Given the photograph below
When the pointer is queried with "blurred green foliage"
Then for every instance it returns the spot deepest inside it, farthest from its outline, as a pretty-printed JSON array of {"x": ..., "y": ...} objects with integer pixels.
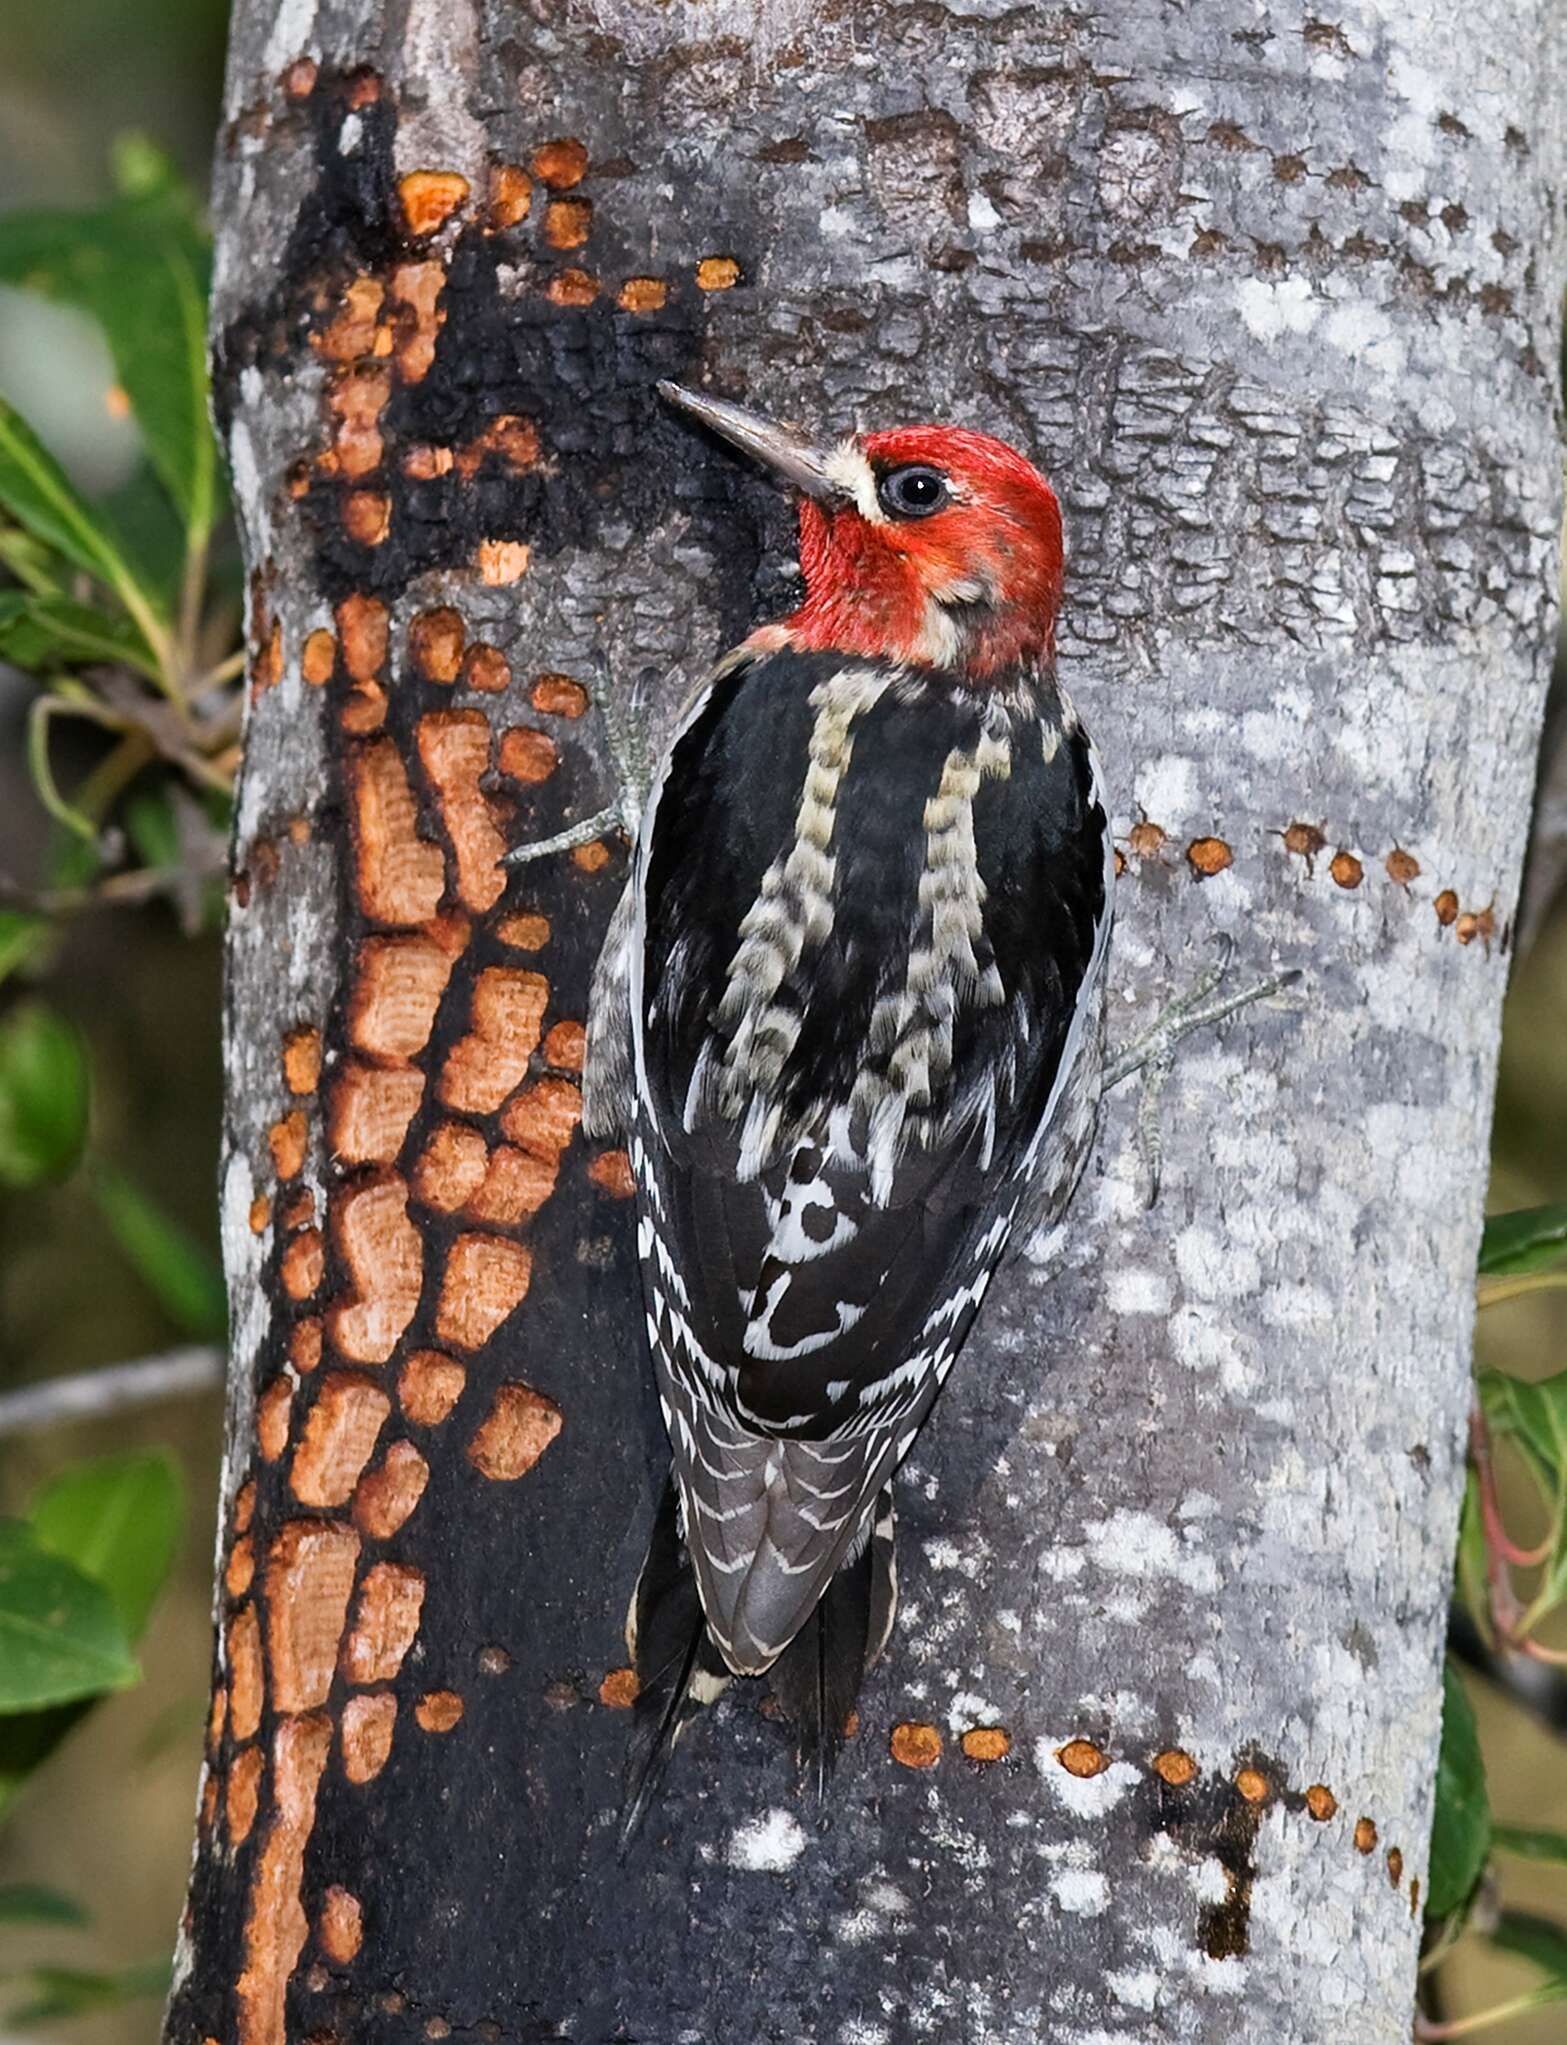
[
  {"x": 1522, "y": 1251},
  {"x": 132, "y": 649}
]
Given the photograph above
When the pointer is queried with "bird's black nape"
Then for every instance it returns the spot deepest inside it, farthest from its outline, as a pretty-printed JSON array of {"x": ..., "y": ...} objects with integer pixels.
[
  {"x": 817, "y": 1678},
  {"x": 679, "y": 1670}
]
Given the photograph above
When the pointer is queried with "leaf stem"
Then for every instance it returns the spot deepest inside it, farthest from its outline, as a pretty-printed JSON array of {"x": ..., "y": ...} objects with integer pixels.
[
  {"x": 44, "y": 709},
  {"x": 1492, "y": 1292},
  {"x": 1506, "y": 1610},
  {"x": 1466, "y": 2027},
  {"x": 1452, "y": 1931},
  {"x": 225, "y": 671},
  {"x": 113, "y": 773},
  {"x": 190, "y": 610}
]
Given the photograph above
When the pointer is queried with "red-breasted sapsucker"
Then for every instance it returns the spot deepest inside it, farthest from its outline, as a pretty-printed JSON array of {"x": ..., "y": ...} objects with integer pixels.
[{"x": 849, "y": 1021}]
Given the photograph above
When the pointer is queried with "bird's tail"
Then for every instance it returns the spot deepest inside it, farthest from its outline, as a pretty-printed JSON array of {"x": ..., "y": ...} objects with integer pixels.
[
  {"x": 679, "y": 1669},
  {"x": 817, "y": 1678}
]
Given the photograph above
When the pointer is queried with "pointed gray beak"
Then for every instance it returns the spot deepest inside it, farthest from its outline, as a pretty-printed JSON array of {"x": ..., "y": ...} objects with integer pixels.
[{"x": 779, "y": 448}]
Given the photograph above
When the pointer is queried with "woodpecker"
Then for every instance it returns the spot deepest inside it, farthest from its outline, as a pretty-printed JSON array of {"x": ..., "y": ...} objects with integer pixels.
[{"x": 849, "y": 1022}]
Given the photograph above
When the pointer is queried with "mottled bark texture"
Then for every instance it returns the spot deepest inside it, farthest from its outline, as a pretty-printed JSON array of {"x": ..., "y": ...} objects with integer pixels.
[{"x": 1151, "y": 1754}]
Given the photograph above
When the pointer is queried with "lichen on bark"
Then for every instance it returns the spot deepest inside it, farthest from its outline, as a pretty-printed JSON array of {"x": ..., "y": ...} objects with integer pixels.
[{"x": 1272, "y": 299}]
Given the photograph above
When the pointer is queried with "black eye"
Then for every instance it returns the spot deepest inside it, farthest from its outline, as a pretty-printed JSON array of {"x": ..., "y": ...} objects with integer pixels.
[{"x": 913, "y": 492}]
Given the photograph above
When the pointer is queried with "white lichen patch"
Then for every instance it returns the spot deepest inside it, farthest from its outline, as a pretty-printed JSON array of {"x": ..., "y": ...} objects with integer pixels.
[
  {"x": 964, "y": 1845},
  {"x": 1133, "y": 1291},
  {"x": 1204, "y": 1343},
  {"x": 1270, "y": 309},
  {"x": 1365, "y": 334},
  {"x": 1210, "y": 1881},
  {"x": 293, "y": 25},
  {"x": 882, "y": 1904},
  {"x": 1137, "y": 1989},
  {"x": 1126, "y": 1607},
  {"x": 1212, "y": 1267},
  {"x": 1085, "y": 1796},
  {"x": 968, "y": 1709},
  {"x": 1062, "y": 1564},
  {"x": 760, "y": 26},
  {"x": 768, "y": 1845},
  {"x": 862, "y": 2031},
  {"x": 244, "y": 1260},
  {"x": 1138, "y": 1545},
  {"x": 1166, "y": 790},
  {"x": 1081, "y": 1892},
  {"x": 246, "y": 473},
  {"x": 944, "y": 1554},
  {"x": 1198, "y": 1505}
]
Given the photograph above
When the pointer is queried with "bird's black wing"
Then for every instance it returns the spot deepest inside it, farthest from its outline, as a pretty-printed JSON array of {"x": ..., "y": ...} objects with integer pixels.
[{"x": 870, "y": 914}]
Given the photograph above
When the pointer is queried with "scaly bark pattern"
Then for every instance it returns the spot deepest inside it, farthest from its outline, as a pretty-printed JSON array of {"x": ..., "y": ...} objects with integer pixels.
[{"x": 1271, "y": 297}]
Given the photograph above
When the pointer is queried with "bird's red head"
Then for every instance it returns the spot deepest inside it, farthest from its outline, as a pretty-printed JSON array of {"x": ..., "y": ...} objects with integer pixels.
[{"x": 927, "y": 544}]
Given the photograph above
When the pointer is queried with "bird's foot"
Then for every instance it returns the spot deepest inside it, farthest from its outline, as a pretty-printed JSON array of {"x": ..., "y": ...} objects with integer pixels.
[
  {"x": 582, "y": 833},
  {"x": 1153, "y": 1053},
  {"x": 631, "y": 759}
]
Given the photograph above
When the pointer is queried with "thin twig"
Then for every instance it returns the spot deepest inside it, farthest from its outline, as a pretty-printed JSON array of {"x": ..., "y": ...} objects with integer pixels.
[
  {"x": 1427, "y": 2033},
  {"x": 141, "y": 884},
  {"x": 1490, "y": 1292},
  {"x": 95, "y": 1394}
]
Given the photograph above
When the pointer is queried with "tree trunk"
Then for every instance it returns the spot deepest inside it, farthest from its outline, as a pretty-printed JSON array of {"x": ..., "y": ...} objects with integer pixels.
[{"x": 1274, "y": 306}]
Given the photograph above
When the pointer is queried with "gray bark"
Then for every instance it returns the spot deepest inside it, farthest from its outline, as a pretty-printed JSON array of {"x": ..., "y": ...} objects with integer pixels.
[{"x": 1273, "y": 300}]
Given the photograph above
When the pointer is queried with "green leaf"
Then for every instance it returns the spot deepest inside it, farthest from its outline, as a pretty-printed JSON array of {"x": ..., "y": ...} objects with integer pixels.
[
  {"x": 1474, "y": 1581},
  {"x": 149, "y": 819},
  {"x": 152, "y": 304},
  {"x": 73, "y": 1992},
  {"x": 1534, "y": 1418},
  {"x": 1531, "y": 1843},
  {"x": 1538, "y": 1940},
  {"x": 32, "y": 1903},
  {"x": 71, "y": 863},
  {"x": 142, "y": 168},
  {"x": 118, "y": 1519},
  {"x": 183, "y": 1276},
  {"x": 1531, "y": 1415},
  {"x": 22, "y": 937},
  {"x": 140, "y": 268},
  {"x": 39, "y": 495},
  {"x": 35, "y": 566},
  {"x": 1461, "y": 1831},
  {"x": 148, "y": 530},
  {"x": 41, "y": 633},
  {"x": 1528, "y": 1239},
  {"x": 60, "y": 1637},
  {"x": 44, "y": 1093}
]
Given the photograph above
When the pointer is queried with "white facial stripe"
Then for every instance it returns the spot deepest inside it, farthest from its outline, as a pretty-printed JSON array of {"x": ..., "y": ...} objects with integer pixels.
[{"x": 852, "y": 473}]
